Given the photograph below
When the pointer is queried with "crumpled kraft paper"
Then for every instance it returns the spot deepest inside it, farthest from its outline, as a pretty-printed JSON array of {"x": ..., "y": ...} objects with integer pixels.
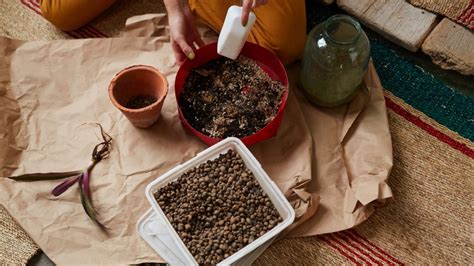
[{"x": 332, "y": 164}]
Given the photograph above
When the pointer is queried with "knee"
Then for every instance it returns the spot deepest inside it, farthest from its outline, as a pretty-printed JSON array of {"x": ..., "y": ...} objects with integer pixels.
[
  {"x": 287, "y": 42},
  {"x": 281, "y": 27},
  {"x": 72, "y": 14},
  {"x": 59, "y": 14}
]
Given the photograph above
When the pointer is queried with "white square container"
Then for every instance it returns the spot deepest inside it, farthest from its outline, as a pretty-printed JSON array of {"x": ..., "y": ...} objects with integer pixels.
[
  {"x": 160, "y": 234},
  {"x": 152, "y": 228}
]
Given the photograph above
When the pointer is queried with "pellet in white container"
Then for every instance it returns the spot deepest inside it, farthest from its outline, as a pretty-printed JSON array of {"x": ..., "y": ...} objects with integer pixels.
[{"x": 162, "y": 237}]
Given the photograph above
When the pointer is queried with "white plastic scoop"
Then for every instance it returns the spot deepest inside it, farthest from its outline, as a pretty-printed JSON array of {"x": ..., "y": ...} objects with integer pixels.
[{"x": 233, "y": 35}]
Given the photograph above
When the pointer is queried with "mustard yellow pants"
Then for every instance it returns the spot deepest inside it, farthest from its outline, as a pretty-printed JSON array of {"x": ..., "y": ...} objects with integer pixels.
[{"x": 280, "y": 25}]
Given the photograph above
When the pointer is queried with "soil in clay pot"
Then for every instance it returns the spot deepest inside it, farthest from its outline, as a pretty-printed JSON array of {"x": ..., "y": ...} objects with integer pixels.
[
  {"x": 225, "y": 98},
  {"x": 140, "y": 101}
]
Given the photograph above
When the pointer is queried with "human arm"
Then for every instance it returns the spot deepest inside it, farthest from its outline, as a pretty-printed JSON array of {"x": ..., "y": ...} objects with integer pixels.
[{"x": 183, "y": 30}]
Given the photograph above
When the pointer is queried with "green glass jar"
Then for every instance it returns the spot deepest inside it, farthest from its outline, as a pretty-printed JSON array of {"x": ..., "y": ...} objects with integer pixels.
[{"x": 335, "y": 61}]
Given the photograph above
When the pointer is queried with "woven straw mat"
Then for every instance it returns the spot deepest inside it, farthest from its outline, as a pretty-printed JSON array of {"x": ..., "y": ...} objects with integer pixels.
[
  {"x": 428, "y": 222},
  {"x": 461, "y": 11}
]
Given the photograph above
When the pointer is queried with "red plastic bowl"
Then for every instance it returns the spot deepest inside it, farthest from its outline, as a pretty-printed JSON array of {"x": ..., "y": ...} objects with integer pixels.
[{"x": 264, "y": 58}]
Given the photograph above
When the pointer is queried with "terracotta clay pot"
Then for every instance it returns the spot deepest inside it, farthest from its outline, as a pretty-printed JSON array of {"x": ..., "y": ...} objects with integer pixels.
[{"x": 139, "y": 80}]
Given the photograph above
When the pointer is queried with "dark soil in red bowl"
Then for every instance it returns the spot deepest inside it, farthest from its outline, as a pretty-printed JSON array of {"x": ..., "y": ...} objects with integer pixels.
[{"x": 225, "y": 98}]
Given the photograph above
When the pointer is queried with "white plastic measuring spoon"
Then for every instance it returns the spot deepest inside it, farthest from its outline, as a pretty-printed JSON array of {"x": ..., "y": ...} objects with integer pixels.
[{"x": 233, "y": 35}]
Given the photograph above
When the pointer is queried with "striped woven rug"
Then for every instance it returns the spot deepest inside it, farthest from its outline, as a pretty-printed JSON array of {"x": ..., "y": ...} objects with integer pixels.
[
  {"x": 432, "y": 128},
  {"x": 461, "y": 11}
]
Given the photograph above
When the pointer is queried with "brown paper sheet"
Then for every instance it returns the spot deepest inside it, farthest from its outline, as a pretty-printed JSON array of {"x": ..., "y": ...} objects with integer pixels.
[{"x": 332, "y": 164}]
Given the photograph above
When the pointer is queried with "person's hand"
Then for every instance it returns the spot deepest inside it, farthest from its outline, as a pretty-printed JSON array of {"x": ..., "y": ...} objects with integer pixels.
[
  {"x": 247, "y": 6},
  {"x": 184, "y": 34}
]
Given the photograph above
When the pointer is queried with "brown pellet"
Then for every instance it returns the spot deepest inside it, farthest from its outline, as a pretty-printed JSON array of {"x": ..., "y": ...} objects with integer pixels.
[{"x": 217, "y": 208}]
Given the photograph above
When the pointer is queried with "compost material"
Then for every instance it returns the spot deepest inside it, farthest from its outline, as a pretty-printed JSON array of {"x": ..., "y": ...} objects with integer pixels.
[{"x": 230, "y": 98}]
